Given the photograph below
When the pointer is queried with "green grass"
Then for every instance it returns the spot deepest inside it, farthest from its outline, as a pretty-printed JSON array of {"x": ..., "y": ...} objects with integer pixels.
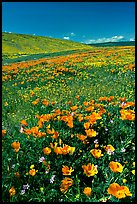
[{"x": 68, "y": 81}]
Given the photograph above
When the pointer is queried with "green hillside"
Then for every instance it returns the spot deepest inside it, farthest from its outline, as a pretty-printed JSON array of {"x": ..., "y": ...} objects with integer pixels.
[{"x": 16, "y": 45}]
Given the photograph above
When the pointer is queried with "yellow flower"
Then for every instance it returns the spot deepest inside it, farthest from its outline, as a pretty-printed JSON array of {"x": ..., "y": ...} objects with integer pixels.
[
  {"x": 116, "y": 167},
  {"x": 48, "y": 126},
  {"x": 41, "y": 189},
  {"x": 96, "y": 153},
  {"x": 91, "y": 133},
  {"x": 46, "y": 150},
  {"x": 71, "y": 150},
  {"x": 86, "y": 125},
  {"x": 66, "y": 170},
  {"x": 133, "y": 172},
  {"x": 12, "y": 191},
  {"x": 96, "y": 145},
  {"x": 32, "y": 166},
  {"x": 90, "y": 169},
  {"x": 133, "y": 164},
  {"x": 124, "y": 180},
  {"x": 87, "y": 191},
  {"x": 6, "y": 104}
]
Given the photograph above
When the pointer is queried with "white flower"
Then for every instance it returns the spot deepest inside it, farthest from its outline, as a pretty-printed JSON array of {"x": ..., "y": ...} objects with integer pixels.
[
  {"x": 123, "y": 149},
  {"x": 46, "y": 172},
  {"x": 96, "y": 166},
  {"x": 96, "y": 141},
  {"x": 123, "y": 103},
  {"x": 133, "y": 148},
  {"x": 41, "y": 159},
  {"x": 21, "y": 129},
  {"x": 72, "y": 113},
  {"x": 52, "y": 179},
  {"x": 22, "y": 192},
  {"x": 26, "y": 186},
  {"x": 110, "y": 152},
  {"x": 13, "y": 166}
]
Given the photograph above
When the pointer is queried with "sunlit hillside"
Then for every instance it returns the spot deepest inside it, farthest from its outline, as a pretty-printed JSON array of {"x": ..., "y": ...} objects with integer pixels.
[{"x": 15, "y": 45}]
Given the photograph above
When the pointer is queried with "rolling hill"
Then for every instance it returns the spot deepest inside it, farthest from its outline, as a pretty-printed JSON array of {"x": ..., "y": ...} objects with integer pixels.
[
  {"x": 109, "y": 44},
  {"x": 18, "y": 45}
]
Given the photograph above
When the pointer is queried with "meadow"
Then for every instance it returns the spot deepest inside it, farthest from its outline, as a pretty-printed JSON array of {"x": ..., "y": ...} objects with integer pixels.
[{"x": 68, "y": 131}]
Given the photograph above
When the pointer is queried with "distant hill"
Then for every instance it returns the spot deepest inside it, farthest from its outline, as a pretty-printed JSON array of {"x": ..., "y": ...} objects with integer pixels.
[
  {"x": 109, "y": 44},
  {"x": 22, "y": 44}
]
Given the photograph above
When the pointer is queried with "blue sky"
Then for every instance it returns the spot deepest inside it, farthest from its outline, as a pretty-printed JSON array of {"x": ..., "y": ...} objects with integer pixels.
[{"x": 87, "y": 22}]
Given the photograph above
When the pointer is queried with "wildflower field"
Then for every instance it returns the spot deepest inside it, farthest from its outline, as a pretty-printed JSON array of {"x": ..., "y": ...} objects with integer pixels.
[{"x": 68, "y": 131}]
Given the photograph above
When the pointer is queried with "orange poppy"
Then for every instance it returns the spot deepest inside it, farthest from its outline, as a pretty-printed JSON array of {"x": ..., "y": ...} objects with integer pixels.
[
  {"x": 90, "y": 169},
  {"x": 116, "y": 167},
  {"x": 12, "y": 191},
  {"x": 96, "y": 153},
  {"x": 87, "y": 191},
  {"x": 46, "y": 150},
  {"x": 119, "y": 191},
  {"x": 66, "y": 170},
  {"x": 16, "y": 146}
]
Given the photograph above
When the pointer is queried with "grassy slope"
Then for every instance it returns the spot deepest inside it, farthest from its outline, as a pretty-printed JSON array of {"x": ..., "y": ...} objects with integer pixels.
[{"x": 29, "y": 44}]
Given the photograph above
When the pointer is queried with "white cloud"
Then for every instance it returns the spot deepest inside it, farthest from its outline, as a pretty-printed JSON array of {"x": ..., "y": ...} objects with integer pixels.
[
  {"x": 132, "y": 39},
  {"x": 66, "y": 38},
  {"x": 103, "y": 40},
  {"x": 72, "y": 34}
]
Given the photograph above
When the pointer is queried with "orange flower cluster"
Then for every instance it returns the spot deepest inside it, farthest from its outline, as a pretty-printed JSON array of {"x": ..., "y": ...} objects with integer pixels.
[
  {"x": 73, "y": 108},
  {"x": 16, "y": 146},
  {"x": 45, "y": 102},
  {"x": 66, "y": 149},
  {"x": 43, "y": 118},
  {"x": 90, "y": 169},
  {"x": 66, "y": 183},
  {"x": 68, "y": 119},
  {"x": 119, "y": 191},
  {"x": 91, "y": 133},
  {"x": 127, "y": 104},
  {"x": 108, "y": 99},
  {"x": 93, "y": 117},
  {"x": 35, "y": 132},
  {"x": 127, "y": 114}
]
